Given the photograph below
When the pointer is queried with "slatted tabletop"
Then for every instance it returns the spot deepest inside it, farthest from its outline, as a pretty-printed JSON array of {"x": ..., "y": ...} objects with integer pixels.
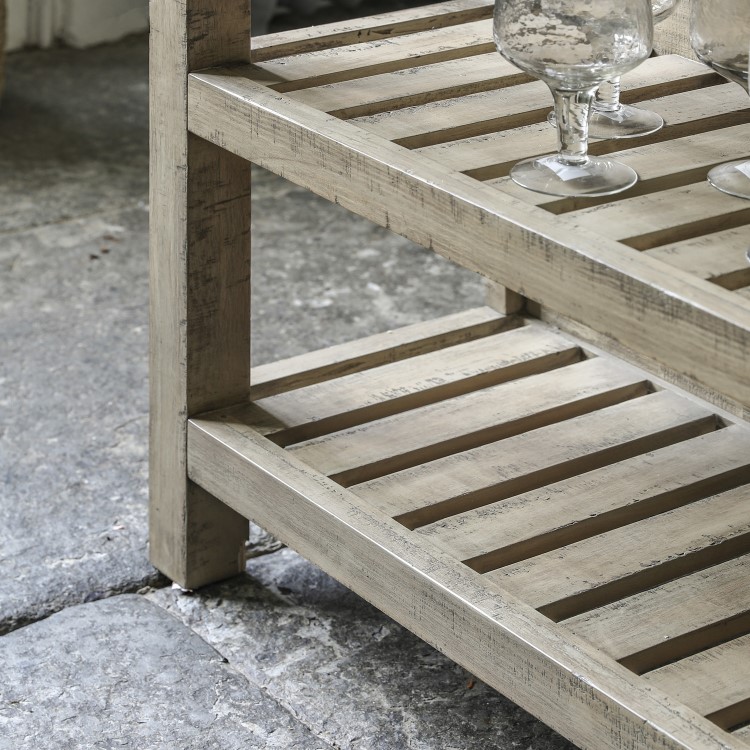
[{"x": 447, "y": 94}]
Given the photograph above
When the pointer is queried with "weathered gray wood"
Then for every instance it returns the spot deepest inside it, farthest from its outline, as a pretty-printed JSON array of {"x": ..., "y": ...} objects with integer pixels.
[
  {"x": 200, "y": 348},
  {"x": 589, "y": 698},
  {"x": 379, "y": 349},
  {"x": 690, "y": 324},
  {"x": 339, "y": 34}
]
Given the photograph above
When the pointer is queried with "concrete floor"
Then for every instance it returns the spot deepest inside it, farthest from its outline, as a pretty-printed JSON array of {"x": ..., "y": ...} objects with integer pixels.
[{"x": 99, "y": 651}]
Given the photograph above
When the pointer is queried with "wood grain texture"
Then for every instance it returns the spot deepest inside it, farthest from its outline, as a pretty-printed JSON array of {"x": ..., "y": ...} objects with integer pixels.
[
  {"x": 674, "y": 620},
  {"x": 585, "y": 696},
  {"x": 475, "y": 419},
  {"x": 508, "y": 107},
  {"x": 398, "y": 387},
  {"x": 714, "y": 683},
  {"x": 351, "y": 31},
  {"x": 687, "y": 323},
  {"x": 477, "y": 477},
  {"x": 199, "y": 288},
  {"x": 379, "y": 349},
  {"x": 581, "y": 576},
  {"x": 387, "y": 92},
  {"x": 679, "y": 468},
  {"x": 381, "y": 56}
]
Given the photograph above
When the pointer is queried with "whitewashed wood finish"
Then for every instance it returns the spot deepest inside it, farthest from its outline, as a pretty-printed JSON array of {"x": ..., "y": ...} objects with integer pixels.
[
  {"x": 679, "y": 319},
  {"x": 653, "y": 475},
  {"x": 416, "y": 381},
  {"x": 412, "y": 86},
  {"x": 592, "y": 700},
  {"x": 378, "y": 349},
  {"x": 650, "y": 481},
  {"x": 510, "y": 107},
  {"x": 199, "y": 288},
  {"x": 475, "y": 419},
  {"x": 715, "y": 682},
  {"x": 583, "y": 575},
  {"x": 357, "y": 60},
  {"x": 327, "y": 36},
  {"x": 489, "y": 156},
  {"x": 665, "y": 623}
]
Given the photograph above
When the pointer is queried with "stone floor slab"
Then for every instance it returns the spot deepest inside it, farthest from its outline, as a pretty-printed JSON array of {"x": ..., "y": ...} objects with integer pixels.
[
  {"x": 73, "y": 414},
  {"x": 357, "y": 678},
  {"x": 73, "y": 133},
  {"x": 122, "y": 673}
]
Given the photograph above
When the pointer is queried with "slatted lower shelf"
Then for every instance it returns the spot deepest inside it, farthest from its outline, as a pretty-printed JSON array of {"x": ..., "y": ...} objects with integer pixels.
[{"x": 581, "y": 534}]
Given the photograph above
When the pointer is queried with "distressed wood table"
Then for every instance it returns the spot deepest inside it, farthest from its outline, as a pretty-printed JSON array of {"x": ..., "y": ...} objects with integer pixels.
[{"x": 552, "y": 488}]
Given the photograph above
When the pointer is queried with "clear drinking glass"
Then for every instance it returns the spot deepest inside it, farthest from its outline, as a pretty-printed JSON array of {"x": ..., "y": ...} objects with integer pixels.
[
  {"x": 720, "y": 37},
  {"x": 573, "y": 45},
  {"x": 612, "y": 119}
]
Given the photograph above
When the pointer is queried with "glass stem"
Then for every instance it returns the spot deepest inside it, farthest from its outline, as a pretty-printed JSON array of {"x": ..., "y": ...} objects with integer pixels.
[
  {"x": 608, "y": 96},
  {"x": 572, "y": 110}
]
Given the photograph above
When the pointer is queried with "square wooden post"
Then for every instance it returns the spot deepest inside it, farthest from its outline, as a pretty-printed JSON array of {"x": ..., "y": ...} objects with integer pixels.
[{"x": 199, "y": 289}]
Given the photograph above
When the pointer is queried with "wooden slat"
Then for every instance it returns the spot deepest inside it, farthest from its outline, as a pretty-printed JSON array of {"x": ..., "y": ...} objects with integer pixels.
[
  {"x": 586, "y": 575},
  {"x": 476, "y": 114},
  {"x": 378, "y": 392},
  {"x": 468, "y": 480},
  {"x": 381, "y": 56},
  {"x": 378, "y": 349},
  {"x": 412, "y": 86},
  {"x": 689, "y": 325},
  {"x": 463, "y": 423},
  {"x": 715, "y": 683},
  {"x": 490, "y": 156},
  {"x": 510, "y": 647},
  {"x": 598, "y": 500},
  {"x": 351, "y": 31},
  {"x": 673, "y": 620},
  {"x": 660, "y": 166},
  {"x": 719, "y": 257},
  {"x": 680, "y": 213}
]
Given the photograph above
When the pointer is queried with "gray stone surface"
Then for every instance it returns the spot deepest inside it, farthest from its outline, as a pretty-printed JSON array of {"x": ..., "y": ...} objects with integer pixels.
[
  {"x": 73, "y": 413},
  {"x": 73, "y": 133},
  {"x": 357, "y": 678},
  {"x": 122, "y": 673}
]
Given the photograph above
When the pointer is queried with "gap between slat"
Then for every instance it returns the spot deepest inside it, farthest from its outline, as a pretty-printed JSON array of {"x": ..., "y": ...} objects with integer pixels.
[
  {"x": 613, "y": 519},
  {"x": 636, "y": 582},
  {"x": 425, "y": 454},
  {"x": 486, "y": 495},
  {"x": 689, "y": 230},
  {"x": 688, "y": 644},
  {"x": 377, "y": 350},
  {"x": 368, "y": 413},
  {"x": 606, "y": 147},
  {"x": 735, "y": 715},
  {"x": 386, "y": 25}
]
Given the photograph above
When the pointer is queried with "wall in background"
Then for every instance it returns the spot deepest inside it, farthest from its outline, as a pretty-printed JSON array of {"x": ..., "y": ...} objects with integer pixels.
[{"x": 79, "y": 23}]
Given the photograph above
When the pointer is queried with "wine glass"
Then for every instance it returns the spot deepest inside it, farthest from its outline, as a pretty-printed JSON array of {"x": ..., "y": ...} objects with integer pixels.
[
  {"x": 612, "y": 119},
  {"x": 720, "y": 36},
  {"x": 573, "y": 45}
]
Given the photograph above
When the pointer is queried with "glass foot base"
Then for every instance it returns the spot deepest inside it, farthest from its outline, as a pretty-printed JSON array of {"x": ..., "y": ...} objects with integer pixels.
[
  {"x": 732, "y": 178},
  {"x": 624, "y": 122},
  {"x": 597, "y": 176}
]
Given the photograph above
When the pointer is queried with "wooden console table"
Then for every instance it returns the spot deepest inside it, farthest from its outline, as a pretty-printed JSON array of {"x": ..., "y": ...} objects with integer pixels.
[{"x": 553, "y": 490}]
